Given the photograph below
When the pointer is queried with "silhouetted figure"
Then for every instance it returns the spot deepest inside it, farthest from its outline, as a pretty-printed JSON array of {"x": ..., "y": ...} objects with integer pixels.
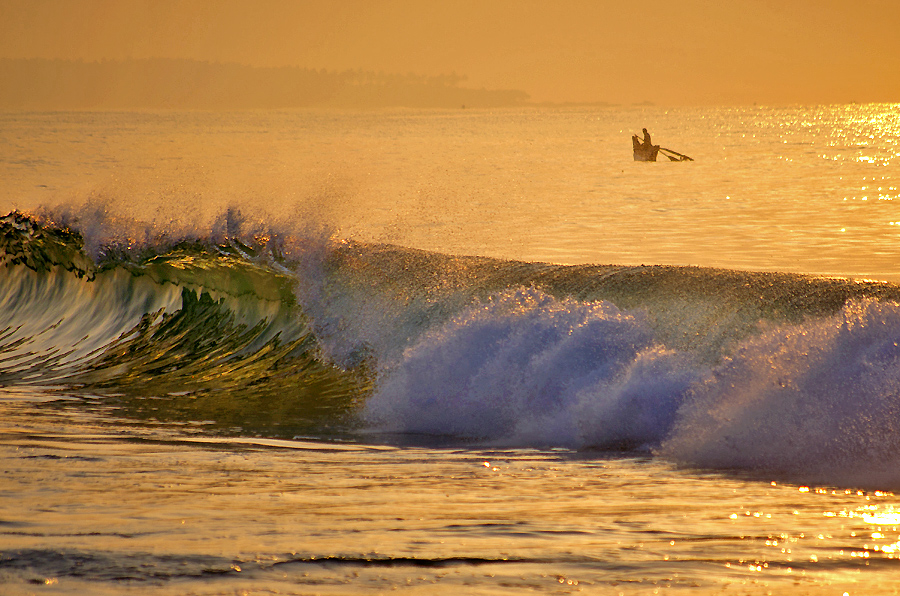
[
  {"x": 647, "y": 143},
  {"x": 646, "y": 150}
]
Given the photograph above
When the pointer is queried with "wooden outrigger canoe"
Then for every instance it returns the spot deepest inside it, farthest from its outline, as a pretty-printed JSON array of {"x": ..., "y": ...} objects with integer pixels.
[
  {"x": 648, "y": 153},
  {"x": 642, "y": 153}
]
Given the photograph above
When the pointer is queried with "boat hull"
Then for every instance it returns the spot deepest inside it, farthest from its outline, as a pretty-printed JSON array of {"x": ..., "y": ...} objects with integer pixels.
[{"x": 646, "y": 153}]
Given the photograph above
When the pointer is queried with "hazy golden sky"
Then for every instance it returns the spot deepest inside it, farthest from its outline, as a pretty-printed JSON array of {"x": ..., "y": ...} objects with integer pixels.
[{"x": 624, "y": 51}]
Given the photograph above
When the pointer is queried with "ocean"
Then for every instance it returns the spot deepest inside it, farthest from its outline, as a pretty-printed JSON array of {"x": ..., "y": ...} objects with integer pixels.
[{"x": 450, "y": 352}]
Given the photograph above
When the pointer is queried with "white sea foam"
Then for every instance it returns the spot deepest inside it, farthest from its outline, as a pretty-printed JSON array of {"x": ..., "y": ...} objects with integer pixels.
[
  {"x": 815, "y": 401},
  {"x": 818, "y": 401},
  {"x": 528, "y": 369}
]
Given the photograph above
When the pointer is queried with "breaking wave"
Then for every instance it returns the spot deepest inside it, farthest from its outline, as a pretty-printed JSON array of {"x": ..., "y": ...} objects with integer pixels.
[{"x": 252, "y": 331}]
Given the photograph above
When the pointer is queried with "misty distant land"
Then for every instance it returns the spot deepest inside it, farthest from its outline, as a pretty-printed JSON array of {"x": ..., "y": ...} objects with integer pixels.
[{"x": 39, "y": 84}]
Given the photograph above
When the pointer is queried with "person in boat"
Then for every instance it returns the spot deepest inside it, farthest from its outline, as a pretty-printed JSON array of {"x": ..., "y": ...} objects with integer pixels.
[
  {"x": 639, "y": 145},
  {"x": 647, "y": 143}
]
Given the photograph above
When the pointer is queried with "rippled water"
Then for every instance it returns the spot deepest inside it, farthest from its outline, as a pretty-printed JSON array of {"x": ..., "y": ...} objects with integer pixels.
[
  {"x": 809, "y": 190},
  {"x": 90, "y": 506}
]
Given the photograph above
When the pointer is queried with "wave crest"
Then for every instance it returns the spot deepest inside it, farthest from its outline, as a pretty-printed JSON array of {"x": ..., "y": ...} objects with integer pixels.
[
  {"x": 190, "y": 332},
  {"x": 527, "y": 369},
  {"x": 818, "y": 402}
]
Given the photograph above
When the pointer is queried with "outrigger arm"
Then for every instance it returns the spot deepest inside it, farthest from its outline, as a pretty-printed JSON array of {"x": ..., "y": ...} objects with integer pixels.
[{"x": 677, "y": 156}]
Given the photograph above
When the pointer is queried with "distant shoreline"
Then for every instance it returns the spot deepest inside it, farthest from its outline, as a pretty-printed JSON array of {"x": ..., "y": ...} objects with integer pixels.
[
  {"x": 37, "y": 84},
  {"x": 40, "y": 84}
]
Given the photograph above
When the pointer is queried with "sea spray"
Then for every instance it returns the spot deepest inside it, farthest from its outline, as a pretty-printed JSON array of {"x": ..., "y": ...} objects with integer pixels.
[
  {"x": 815, "y": 402},
  {"x": 524, "y": 368}
]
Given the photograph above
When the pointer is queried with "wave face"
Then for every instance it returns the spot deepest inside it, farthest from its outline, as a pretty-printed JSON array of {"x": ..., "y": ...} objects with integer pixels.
[
  {"x": 189, "y": 331},
  {"x": 281, "y": 334}
]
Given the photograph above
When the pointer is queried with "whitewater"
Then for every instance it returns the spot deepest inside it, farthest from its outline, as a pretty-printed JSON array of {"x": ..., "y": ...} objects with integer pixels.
[{"x": 450, "y": 351}]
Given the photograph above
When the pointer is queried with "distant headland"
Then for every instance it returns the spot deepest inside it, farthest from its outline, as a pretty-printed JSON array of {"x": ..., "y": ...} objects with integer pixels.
[{"x": 38, "y": 84}]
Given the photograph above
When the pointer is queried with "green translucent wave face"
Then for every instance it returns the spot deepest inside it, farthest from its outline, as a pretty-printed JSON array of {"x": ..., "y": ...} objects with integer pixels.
[
  {"x": 202, "y": 363},
  {"x": 192, "y": 333}
]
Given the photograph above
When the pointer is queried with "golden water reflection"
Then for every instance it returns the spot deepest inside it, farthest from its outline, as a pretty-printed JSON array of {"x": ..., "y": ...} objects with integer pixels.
[
  {"x": 289, "y": 516},
  {"x": 805, "y": 190}
]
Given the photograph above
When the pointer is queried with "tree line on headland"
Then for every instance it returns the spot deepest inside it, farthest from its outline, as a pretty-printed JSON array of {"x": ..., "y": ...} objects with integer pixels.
[{"x": 190, "y": 84}]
